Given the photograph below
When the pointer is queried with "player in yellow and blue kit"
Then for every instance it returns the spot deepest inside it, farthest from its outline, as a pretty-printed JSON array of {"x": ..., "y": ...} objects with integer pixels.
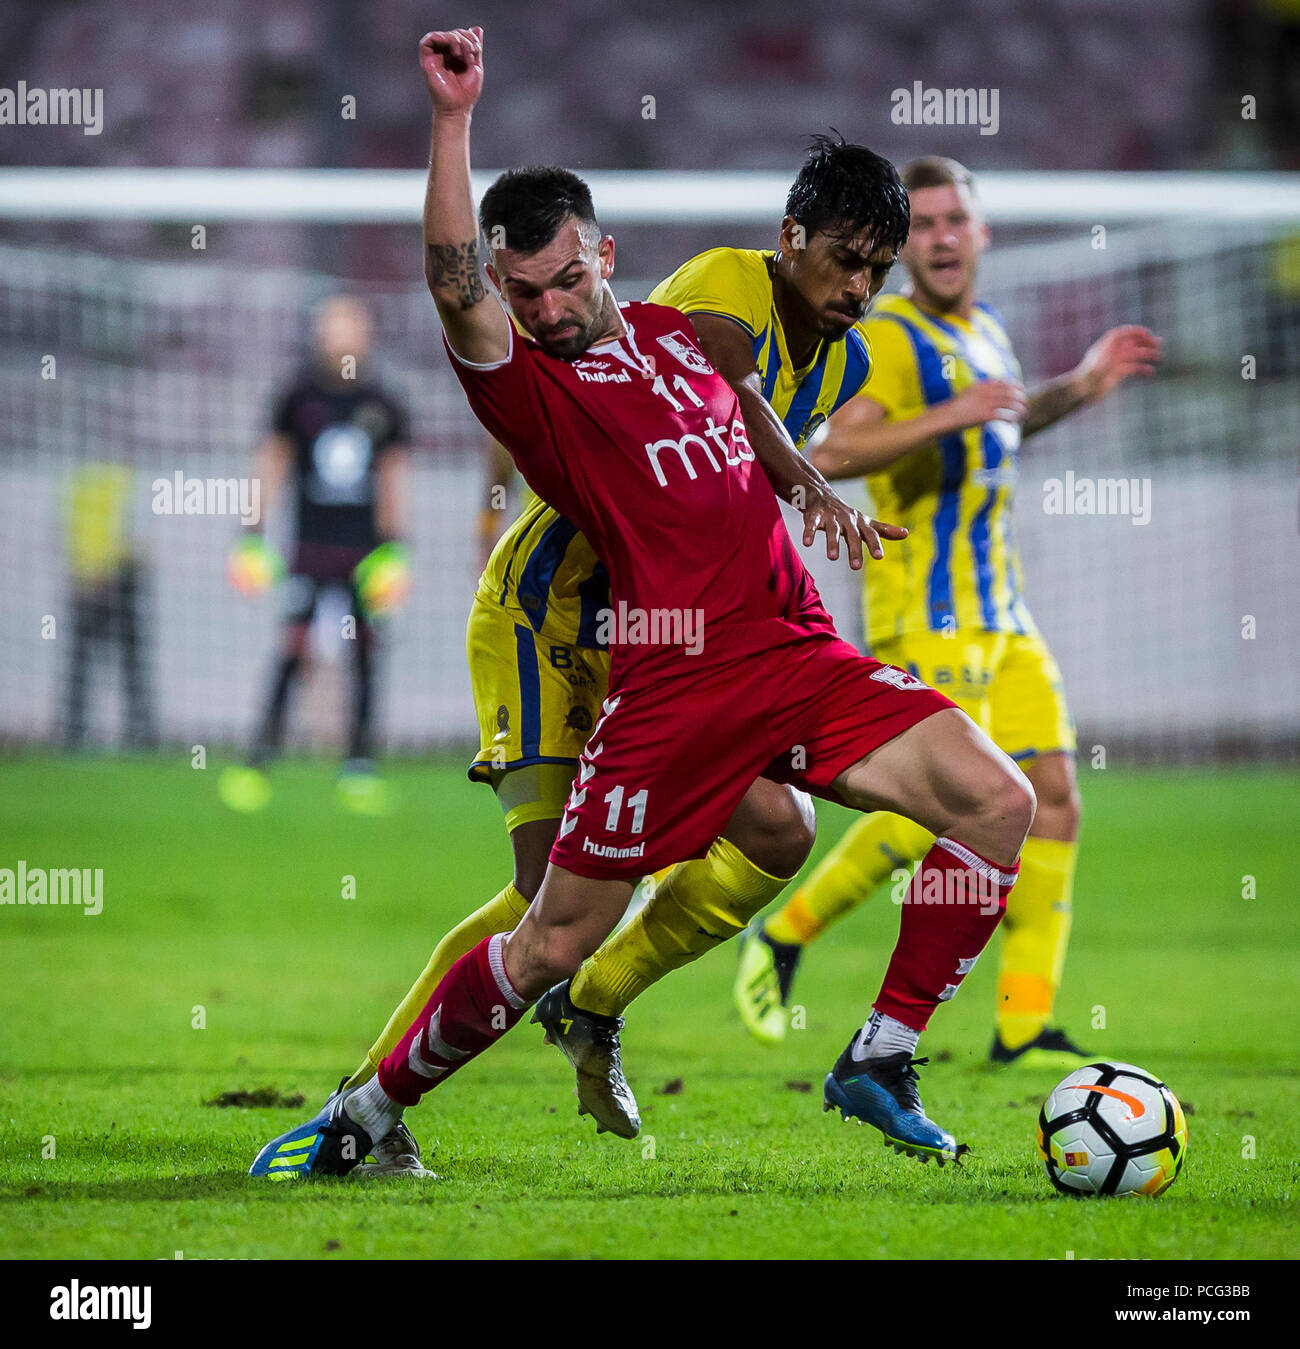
[
  {"x": 784, "y": 328},
  {"x": 937, "y": 434}
]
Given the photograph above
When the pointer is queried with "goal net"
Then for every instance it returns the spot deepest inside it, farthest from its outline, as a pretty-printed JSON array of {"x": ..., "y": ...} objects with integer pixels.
[{"x": 1158, "y": 529}]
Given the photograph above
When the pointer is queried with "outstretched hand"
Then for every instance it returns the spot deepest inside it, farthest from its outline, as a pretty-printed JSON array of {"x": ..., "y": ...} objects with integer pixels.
[
  {"x": 824, "y": 511},
  {"x": 1117, "y": 355}
]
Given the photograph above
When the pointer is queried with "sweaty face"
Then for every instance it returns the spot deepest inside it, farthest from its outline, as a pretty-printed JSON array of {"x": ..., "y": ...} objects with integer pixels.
[
  {"x": 558, "y": 293},
  {"x": 342, "y": 329},
  {"x": 836, "y": 276},
  {"x": 943, "y": 249}
]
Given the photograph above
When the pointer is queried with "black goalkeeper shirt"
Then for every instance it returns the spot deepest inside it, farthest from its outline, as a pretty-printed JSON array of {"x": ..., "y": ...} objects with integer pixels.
[{"x": 339, "y": 431}]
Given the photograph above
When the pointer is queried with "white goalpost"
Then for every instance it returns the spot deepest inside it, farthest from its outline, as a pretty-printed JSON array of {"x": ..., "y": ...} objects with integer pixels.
[{"x": 639, "y": 197}]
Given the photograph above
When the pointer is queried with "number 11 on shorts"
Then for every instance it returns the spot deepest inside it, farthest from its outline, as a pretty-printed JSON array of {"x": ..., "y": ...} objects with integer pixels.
[{"x": 614, "y": 800}]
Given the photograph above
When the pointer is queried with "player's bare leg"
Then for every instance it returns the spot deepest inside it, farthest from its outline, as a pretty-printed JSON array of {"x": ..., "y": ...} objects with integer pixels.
[
  {"x": 1053, "y": 779},
  {"x": 772, "y": 832},
  {"x": 949, "y": 777},
  {"x": 567, "y": 921},
  {"x": 484, "y": 993},
  {"x": 482, "y": 996},
  {"x": 530, "y": 842},
  {"x": 398, "y": 1151}
]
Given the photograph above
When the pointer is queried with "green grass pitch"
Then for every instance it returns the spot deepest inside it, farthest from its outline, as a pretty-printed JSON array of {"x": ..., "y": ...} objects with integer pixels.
[{"x": 102, "y": 1066}]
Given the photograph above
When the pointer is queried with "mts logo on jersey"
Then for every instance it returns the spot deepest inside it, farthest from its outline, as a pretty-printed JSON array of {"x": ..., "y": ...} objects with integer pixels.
[{"x": 732, "y": 442}]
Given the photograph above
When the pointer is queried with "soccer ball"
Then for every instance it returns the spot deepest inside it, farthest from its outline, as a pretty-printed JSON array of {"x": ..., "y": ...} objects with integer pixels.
[{"x": 1109, "y": 1129}]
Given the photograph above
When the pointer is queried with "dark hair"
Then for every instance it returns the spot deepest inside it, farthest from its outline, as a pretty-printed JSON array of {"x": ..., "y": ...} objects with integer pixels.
[
  {"x": 528, "y": 206},
  {"x": 845, "y": 189},
  {"x": 936, "y": 171}
]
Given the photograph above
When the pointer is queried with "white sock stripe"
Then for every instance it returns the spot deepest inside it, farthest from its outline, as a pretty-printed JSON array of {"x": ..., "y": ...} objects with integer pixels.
[
  {"x": 498, "y": 963},
  {"x": 975, "y": 861},
  {"x": 418, "y": 1065},
  {"x": 439, "y": 1046}
]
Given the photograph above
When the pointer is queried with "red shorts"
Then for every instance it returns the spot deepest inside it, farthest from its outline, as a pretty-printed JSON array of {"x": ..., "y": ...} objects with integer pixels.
[{"x": 681, "y": 739}]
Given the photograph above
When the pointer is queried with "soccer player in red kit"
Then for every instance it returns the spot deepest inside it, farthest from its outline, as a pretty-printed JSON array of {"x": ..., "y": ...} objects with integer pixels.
[{"x": 725, "y": 665}]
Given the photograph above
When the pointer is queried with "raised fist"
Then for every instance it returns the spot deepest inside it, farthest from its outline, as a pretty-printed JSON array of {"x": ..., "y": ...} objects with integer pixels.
[{"x": 453, "y": 68}]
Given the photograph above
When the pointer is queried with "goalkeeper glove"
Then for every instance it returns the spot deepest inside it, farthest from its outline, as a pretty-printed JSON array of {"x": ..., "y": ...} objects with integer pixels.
[
  {"x": 253, "y": 566},
  {"x": 383, "y": 578}
]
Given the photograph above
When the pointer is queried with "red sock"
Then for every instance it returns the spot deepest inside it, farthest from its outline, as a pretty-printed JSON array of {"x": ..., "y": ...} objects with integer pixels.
[
  {"x": 954, "y": 903},
  {"x": 471, "y": 1008}
]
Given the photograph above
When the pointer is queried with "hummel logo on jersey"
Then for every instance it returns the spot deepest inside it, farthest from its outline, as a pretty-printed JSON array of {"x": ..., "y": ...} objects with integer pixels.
[
  {"x": 599, "y": 375},
  {"x": 610, "y": 850},
  {"x": 734, "y": 450},
  {"x": 681, "y": 346}
]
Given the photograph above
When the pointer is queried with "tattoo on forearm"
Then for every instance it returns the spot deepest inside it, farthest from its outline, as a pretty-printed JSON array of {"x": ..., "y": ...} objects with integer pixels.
[
  {"x": 1049, "y": 404},
  {"x": 454, "y": 267}
]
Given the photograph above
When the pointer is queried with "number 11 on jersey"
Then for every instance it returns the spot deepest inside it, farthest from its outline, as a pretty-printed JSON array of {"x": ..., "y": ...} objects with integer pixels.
[{"x": 637, "y": 804}]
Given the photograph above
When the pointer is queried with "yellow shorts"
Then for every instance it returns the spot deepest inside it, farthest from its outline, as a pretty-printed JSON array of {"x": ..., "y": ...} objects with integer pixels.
[
  {"x": 536, "y": 702},
  {"x": 1007, "y": 684}
]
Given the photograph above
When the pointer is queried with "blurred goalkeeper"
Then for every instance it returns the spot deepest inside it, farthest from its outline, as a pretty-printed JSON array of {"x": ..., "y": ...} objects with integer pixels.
[{"x": 339, "y": 441}]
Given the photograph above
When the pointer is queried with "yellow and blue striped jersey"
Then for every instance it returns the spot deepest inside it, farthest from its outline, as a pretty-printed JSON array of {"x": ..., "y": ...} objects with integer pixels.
[
  {"x": 737, "y": 283},
  {"x": 959, "y": 566},
  {"x": 543, "y": 571}
]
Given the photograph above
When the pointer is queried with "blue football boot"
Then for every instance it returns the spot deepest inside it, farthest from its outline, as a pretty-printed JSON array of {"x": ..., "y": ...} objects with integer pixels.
[
  {"x": 882, "y": 1092},
  {"x": 328, "y": 1144}
]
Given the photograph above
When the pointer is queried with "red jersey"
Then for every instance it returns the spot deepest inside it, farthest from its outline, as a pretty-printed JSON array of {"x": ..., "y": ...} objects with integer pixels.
[{"x": 640, "y": 444}]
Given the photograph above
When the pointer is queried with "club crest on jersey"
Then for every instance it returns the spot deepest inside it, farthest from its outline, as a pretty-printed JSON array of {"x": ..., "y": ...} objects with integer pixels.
[
  {"x": 681, "y": 346},
  {"x": 579, "y": 719},
  {"x": 900, "y": 679}
]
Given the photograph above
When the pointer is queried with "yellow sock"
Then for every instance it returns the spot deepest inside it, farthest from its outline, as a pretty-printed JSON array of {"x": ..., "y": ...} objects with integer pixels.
[
  {"x": 874, "y": 847},
  {"x": 701, "y": 904},
  {"x": 501, "y": 914},
  {"x": 1035, "y": 934}
]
